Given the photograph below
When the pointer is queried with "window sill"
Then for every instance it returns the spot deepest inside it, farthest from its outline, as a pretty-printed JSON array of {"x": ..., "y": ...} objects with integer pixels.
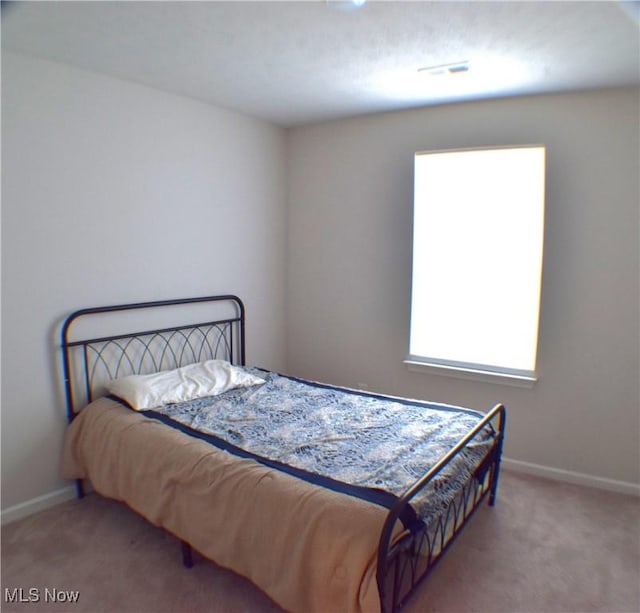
[{"x": 460, "y": 372}]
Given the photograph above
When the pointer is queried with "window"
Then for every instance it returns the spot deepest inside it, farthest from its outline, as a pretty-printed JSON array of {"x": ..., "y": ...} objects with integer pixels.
[{"x": 478, "y": 225}]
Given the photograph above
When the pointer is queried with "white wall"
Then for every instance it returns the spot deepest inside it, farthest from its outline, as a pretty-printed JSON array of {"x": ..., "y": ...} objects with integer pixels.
[
  {"x": 113, "y": 192},
  {"x": 102, "y": 181},
  {"x": 349, "y": 247}
]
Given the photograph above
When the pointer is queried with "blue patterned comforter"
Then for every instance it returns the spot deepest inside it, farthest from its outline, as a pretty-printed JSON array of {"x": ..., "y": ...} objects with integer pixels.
[{"x": 363, "y": 444}]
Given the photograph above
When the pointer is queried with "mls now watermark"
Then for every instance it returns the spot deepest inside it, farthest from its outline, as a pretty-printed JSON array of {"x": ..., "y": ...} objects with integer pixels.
[{"x": 35, "y": 594}]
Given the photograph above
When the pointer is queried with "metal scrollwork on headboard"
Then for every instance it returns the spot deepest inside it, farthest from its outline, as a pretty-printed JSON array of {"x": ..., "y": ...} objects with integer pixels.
[{"x": 90, "y": 361}]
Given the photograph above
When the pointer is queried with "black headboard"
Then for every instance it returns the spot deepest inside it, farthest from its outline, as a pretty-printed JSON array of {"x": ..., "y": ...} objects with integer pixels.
[{"x": 103, "y": 343}]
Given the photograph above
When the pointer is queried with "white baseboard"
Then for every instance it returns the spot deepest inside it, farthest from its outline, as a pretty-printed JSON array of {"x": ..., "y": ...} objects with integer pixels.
[
  {"x": 568, "y": 476},
  {"x": 40, "y": 503}
]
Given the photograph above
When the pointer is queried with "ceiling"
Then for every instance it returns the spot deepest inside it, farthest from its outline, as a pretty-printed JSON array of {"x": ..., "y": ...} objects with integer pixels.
[{"x": 294, "y": 63}]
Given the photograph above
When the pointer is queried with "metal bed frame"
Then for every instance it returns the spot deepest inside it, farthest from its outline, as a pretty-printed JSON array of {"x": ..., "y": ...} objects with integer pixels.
[{"x": 89, "y": 360}]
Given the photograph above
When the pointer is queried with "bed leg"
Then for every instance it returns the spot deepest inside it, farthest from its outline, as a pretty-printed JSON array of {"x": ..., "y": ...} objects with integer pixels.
[
  {"x": 494, "y": 486},
  {"x": 496, "y": 466},
  {"x": 79, "y": 488},
  {"x": 187, "y": 554},
  {"x": 495, "y": 476}
]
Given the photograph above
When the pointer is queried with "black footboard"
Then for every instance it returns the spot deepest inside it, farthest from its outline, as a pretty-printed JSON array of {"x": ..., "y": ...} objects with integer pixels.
[{"x": 404, "y": 562}]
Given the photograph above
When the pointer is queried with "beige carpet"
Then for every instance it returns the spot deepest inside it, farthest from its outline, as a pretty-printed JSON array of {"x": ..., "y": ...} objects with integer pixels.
[{"x": 545, "y": 547}]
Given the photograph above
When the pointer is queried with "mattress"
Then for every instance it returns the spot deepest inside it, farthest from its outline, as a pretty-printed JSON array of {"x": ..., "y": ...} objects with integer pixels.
[
  {"x": 287, "y": 483},
  {"x": 361, "y": 444}
]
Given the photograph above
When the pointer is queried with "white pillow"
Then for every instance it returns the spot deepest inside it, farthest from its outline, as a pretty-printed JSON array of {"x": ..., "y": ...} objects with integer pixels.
[{"x": 208, "y": 378}]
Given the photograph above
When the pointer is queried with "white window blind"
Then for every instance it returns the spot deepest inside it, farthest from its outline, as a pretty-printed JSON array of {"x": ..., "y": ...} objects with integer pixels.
[{"x": 478, "y": 230}]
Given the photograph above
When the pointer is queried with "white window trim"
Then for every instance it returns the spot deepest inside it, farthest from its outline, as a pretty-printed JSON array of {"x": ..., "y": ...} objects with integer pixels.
[{"x": 470, "y": 373}]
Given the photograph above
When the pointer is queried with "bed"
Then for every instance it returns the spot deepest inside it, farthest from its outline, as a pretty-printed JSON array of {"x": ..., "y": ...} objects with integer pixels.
[{"x": 328, "y": 499}]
